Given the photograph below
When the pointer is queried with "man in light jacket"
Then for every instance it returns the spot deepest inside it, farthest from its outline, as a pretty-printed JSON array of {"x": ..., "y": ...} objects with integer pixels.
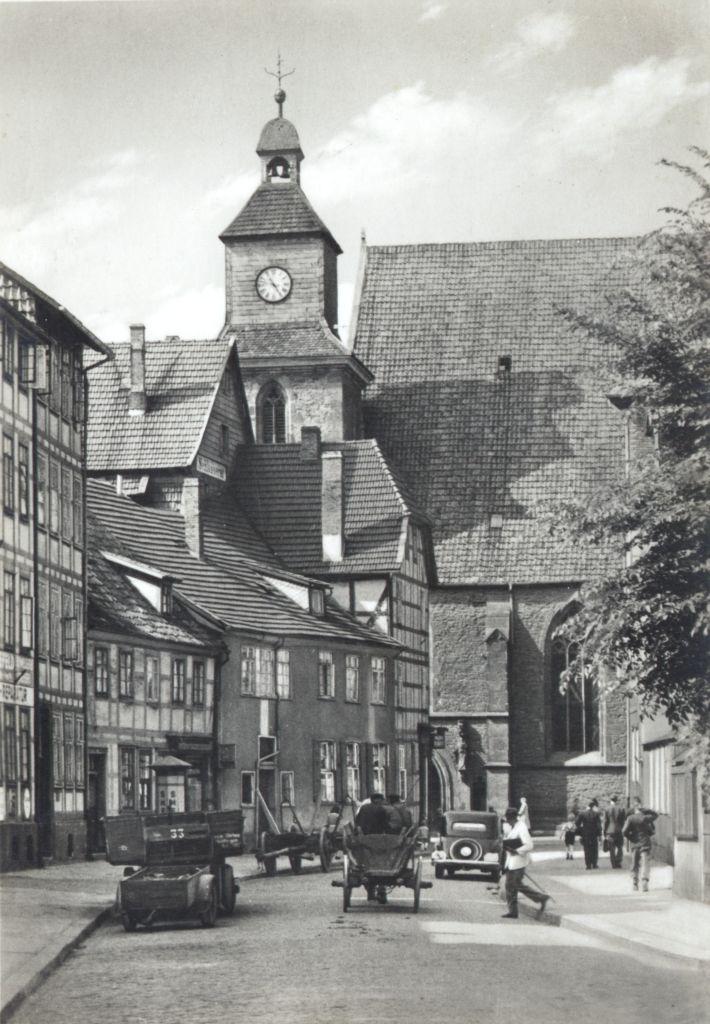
[{"x": 518, "y": 845}]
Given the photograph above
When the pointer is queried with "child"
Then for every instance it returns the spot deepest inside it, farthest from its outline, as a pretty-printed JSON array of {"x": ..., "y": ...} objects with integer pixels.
[{"x": 568, "y": 832}]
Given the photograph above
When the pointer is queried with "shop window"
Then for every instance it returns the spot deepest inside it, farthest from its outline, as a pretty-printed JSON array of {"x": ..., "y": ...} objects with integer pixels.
[
  {"x": 283, "y": 674},
  {"x": 352, "y": 677},
  {"x": 379, "y": 685},
  {"x": 177, "y": 690},
  {"x": 198, "y": 683},
  {"x": 101, "y": 672},
  {"x": 326, "y": 675}
]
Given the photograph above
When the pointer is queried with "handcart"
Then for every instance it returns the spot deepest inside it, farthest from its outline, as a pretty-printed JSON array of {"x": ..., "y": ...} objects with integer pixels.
[
  {"x": 381, "y": 863},
  {"x": 182, "y": 870},
  {"x": 297, "y": 843}
]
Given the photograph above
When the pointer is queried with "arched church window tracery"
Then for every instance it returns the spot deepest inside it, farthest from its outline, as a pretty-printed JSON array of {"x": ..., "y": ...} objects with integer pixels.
[
  {"x": 574, "y": 708},
  {"x": 271, "y": 414}
]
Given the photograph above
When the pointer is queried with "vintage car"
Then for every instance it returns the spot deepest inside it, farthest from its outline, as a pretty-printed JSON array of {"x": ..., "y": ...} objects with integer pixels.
[{"x": 468, "y": 841}]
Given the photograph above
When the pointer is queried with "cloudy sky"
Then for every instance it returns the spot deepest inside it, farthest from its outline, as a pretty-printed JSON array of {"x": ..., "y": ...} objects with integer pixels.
[{"x": 128, "y": 130}]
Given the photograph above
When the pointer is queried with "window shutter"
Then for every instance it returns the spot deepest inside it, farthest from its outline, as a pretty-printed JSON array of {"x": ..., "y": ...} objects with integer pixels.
[{"x": 316, "y": 770}]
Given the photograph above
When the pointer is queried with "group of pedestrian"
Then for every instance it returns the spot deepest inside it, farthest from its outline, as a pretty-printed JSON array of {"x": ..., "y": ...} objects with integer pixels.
[
  {"x": 613, "y": 827},
  {"x": 377, "y": 816}
]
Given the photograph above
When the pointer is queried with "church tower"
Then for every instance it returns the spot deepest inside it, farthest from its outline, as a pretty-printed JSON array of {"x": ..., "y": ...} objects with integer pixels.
[{"x": 282, "y": 303}]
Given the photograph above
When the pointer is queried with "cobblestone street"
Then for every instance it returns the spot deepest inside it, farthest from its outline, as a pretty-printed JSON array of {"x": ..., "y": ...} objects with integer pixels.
[{"x": 289, "y": 954}]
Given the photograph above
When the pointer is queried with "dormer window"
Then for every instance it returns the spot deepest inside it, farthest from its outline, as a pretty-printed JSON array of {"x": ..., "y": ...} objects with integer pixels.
[
  {"x": 505, "y": 365},
  {"x": 166, "y": 599},
  {"x": 317, "y": 602},
  {"x": 278, "y": 169}
]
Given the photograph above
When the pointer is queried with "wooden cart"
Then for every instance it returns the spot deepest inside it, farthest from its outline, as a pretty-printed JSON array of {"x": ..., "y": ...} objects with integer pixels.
[
  {"x": 296, "y": 843},
  {"x": 381, "y": 863},
  {"x": 182, "y": 871}
]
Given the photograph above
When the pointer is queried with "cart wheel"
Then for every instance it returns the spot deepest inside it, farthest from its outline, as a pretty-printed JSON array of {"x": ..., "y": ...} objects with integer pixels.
[
  {"x": 347, "y": 888},
  {"x": 229, "y": 897},
  {"x": 438, "y": 871},
  {"x": 129, "y": 922},
  {"x": 325, "y": 848},
  {"x": 294, "y": 860},
  {"x": 209, "y": 916},
  {"x": 417, "y": 884}
]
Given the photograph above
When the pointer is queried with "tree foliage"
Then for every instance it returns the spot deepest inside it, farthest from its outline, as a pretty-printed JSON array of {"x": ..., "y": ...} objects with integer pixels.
[{"x": 646, "y": 626}]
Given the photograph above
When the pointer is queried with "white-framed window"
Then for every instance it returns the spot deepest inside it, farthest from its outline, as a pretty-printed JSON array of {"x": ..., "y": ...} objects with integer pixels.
[
  {"x": 379, "y": 686},
  {"x": 248, "y": 788},
  {"x": 328, "y": 766},
  {"x": 288, "y": 788},
  {"x": 379, "y": 767},
  {"x": 352, "y": 770},
  {"x": 248, "y": 670},
  {"x": 101, "y": 677},
  {"x": 352, "y": 677},
  {"x": 125, "y": 674},
  {"x": 283, "y": 674},
  {"x": 264, "y": 672},
  {"x": 198, "y": 683},
  {"x": 177, "y": 690},
  {"x": 326, "y": 675},
  {"x": 402, "y": 771},
  {"x": 152, "y": 680}
]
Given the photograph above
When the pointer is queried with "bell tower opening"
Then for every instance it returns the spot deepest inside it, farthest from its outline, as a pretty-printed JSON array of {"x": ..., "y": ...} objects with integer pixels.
[{"x": 278, "y": 169}]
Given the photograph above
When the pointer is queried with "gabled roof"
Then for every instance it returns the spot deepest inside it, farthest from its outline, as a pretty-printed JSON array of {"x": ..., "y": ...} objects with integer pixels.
[
  {"x": 39, "y": 309},
  {"x": 277, "y": 209},
  {"x": 281, "y": 493},
  {"x": 434, "y": 321},
  {"x": 182, "y": 377},
  {"x": 242, "y": 598},
  {"x": 115, "y": 605}
]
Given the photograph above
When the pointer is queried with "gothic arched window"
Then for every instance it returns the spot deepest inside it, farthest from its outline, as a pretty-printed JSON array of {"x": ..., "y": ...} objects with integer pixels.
[
  {"x": 574, "y": 711},
  {"x": 272, "y": 415}
]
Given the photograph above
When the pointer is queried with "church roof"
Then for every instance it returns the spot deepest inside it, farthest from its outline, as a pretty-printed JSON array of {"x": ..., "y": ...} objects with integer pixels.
[
  {"x": 277, "y": 209},
  {"x": 240, "y": 597},
  {"x": 476, "y": 440},
  {"x": 307, "y": 338},
  {"x": 182, "y": 377},
  {"x": 281, "y": 493},
  {"x": 278, "y": 136}
]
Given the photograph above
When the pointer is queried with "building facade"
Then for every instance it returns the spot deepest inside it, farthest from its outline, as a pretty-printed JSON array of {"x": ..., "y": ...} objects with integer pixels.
[{"x": 43, "y": 556}]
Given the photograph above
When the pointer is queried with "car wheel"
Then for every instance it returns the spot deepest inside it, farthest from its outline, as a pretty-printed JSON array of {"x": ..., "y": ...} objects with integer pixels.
[{"x": 438, "y": 871}]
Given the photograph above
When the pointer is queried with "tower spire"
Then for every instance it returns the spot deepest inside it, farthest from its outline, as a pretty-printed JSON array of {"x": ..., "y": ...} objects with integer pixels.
[{"x": 279, "y": 74}]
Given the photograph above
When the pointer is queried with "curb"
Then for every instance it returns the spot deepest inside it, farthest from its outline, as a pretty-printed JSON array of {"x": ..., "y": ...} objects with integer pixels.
[{"x": 36, "y": 980}]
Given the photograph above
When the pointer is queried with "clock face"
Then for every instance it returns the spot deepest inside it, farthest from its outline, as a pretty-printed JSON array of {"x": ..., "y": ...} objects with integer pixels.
[{"x": 273, "y": 284}]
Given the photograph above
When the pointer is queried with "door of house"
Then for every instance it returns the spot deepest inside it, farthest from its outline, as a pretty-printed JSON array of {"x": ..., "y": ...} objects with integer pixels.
[{"x": 96, "y": 801}]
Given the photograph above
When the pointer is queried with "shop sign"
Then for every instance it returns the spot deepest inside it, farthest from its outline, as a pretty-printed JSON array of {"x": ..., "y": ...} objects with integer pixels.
[
  {"x": 210, "y": 467},
  {"x": 16, "y": 693}
]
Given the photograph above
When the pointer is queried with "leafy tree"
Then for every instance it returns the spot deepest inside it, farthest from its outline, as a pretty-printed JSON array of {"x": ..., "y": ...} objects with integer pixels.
[{"x": 646, "y": 626}]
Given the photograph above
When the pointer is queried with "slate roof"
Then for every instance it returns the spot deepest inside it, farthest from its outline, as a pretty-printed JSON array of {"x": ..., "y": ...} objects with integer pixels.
[
  {"x": 115, "y": 605},
  {"x": 277, "y": 209},
  {"x": 307, "y": 339},
  {"x": 281, "y": 493},
  {"x": 241, "y": 598},
  {"x": 182, "y": 377},
  {"x": 433, "y": 322}
]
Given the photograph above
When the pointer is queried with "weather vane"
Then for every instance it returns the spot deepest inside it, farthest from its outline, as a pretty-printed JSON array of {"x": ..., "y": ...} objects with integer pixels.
[{"x": 280, "y": 94}]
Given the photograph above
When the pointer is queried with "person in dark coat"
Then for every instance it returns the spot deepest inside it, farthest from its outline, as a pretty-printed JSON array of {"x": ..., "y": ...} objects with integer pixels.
[
  {"x": 639, "y": 829},
  {"x": 373, "y": 817},
  {"x": 589, "y": 828},
  {"x": 400, "y": 817},
  {"x": 614, "y": 819}
]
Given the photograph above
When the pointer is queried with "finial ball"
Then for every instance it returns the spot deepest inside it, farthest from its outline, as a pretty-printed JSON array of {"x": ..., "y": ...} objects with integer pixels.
[{"x": 280, "y": 95}]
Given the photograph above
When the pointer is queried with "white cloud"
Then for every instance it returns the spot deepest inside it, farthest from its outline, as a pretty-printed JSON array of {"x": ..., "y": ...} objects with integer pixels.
[
  {"x": 196, "y": 312},
  {"x": 432, "y": 11},
  {"x": 231, "y": 193},
  {"x": 591, "y": 121},
  {"x": 534, "y": 35}
]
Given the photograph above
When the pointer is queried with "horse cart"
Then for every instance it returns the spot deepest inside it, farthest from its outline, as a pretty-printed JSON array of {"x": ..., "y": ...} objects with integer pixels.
[
  {"x": 298, "y": 843},
  {"x": 381, "y": 863},
  {"x": 176, "y": 865}
]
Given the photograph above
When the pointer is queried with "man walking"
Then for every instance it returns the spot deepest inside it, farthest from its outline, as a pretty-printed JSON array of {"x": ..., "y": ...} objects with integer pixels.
[
  {"x": 589, "y": 827},
  {"x": 518, "y": 845},
  {"x": 638, "y": 830},
  {"x": 614, "y": 819}
]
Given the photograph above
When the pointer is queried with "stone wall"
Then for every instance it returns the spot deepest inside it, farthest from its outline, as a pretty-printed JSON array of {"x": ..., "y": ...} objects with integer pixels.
[{"x": 314, "y": 396}]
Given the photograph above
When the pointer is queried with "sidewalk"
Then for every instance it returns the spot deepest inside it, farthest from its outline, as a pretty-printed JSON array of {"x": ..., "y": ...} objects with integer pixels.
[
  {"x": 45, "y": 913},
  {"x": 602, "y": 902}
]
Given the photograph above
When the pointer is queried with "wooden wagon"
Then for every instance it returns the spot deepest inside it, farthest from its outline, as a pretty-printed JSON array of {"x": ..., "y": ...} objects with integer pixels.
[
  {"x": 182, "y": 870},
  {"x": 381, "y": 863}
]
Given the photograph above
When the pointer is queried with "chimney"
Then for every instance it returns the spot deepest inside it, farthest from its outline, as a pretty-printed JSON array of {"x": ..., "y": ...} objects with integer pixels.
[
  {"x": 191, "y": 514},
  {"x": 332, "y": 506},
  {"x": 136, "y": 396},
  {"x": 310, "y": 444}
]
